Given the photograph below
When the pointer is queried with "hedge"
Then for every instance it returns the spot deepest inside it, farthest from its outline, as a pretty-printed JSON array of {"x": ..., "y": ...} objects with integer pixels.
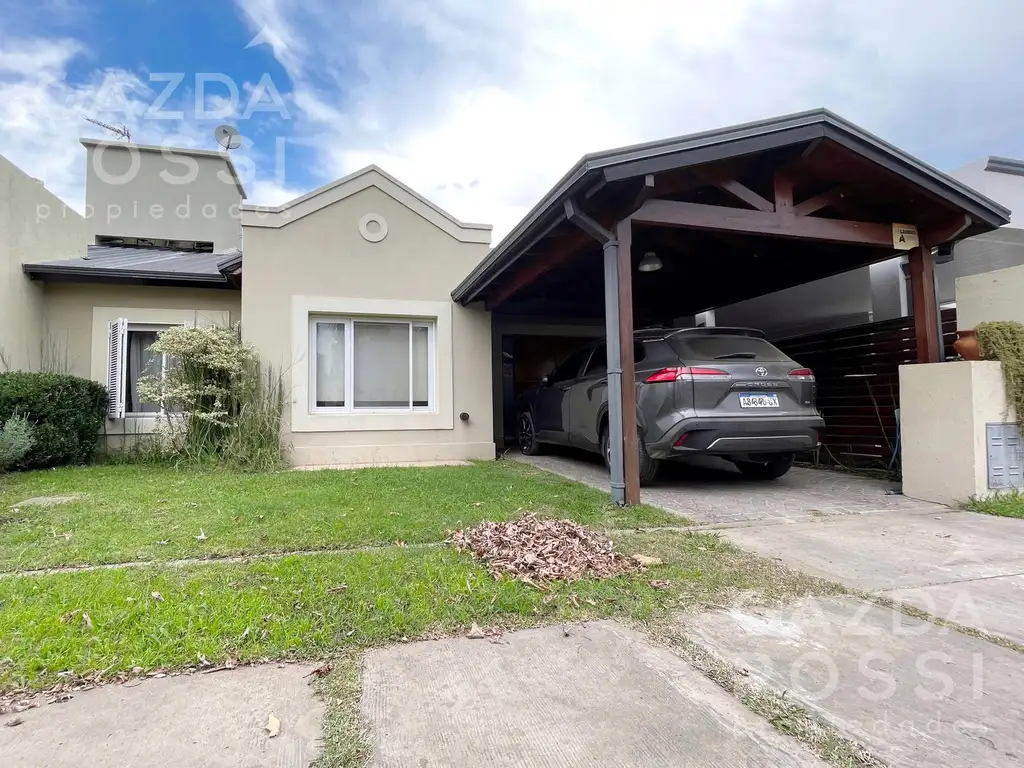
[{"x": 66, "y": 414}]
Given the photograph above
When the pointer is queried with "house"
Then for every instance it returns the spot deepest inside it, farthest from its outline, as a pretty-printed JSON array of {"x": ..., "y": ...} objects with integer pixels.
[
  {"x": 401, "y": 335},
  {"x": 346, "y": 290}
]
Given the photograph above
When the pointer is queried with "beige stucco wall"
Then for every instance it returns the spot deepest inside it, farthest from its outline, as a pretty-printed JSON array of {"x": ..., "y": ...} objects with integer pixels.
[
  {"x": 171, "y": 194},
  {"x": 70, "y": 308},
  {"x": 944, "y": 410},
  {"x": 320, "y": 263},
  {"x": 35, "y": 225},
  {"x": 990, "y": 296}
]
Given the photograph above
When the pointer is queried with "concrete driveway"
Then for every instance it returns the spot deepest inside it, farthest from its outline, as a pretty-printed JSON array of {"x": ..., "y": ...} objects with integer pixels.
[{"x": 712, "y": 491}]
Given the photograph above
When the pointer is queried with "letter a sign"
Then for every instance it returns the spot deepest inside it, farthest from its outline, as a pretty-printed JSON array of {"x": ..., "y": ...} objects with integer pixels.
[{"x": 904, "y": 237}]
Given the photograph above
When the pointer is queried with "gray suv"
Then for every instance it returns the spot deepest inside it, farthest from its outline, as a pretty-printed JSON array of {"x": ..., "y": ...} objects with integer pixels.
[{"x": 699, "y": 391}]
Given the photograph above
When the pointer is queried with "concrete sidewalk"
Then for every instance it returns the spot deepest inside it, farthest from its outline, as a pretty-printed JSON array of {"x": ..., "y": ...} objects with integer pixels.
[
  {"x": 595, "y": 695},
  {"x": 915, "y": 694},
  {"x": 195, "y": 721}
]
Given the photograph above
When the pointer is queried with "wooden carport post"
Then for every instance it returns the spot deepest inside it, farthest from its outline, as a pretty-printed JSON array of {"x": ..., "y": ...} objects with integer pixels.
[{"x": 926, "y": 308}]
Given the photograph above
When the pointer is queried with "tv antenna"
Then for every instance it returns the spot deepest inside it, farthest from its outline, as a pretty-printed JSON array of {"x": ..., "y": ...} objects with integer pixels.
[
  {"x": 120, "y": 131},
  {"x": 228, "y": 136}
]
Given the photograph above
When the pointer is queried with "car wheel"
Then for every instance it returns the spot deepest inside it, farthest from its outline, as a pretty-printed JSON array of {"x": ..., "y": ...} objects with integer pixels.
[
  {"x": 766, "y": 470},
  {"x": 648, "y": 466},
  {"x": 526, "y": 435}
]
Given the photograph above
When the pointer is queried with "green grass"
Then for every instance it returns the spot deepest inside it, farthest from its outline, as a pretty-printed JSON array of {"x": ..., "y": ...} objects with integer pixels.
[
  {"x": 313, "y": 606},
  {"x": 1002, "y": 505},
  {"x": 141, "y": 513}
]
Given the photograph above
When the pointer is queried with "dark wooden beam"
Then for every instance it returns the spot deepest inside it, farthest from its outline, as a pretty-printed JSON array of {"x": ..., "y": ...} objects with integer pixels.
[
  {"x": 670, "y": 213},
  {"x": 644, "y": 193},
  {"x": 783, "y": 192},
  {"x": 951, "y": 231},
  {"x": 926, "y": 310},
  {"x": 816, "y": 203},
  {"x": 576, "y": 215},
  {"x": 569, "y": 246},
  {"x": 631, "y": 455},
  {"x": 737, "y": 190},
  {"x": 810, "y": 148}
]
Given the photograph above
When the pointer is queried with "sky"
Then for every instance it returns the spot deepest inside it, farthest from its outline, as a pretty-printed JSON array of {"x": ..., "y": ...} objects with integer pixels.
[{"x": 482, "y": 106}]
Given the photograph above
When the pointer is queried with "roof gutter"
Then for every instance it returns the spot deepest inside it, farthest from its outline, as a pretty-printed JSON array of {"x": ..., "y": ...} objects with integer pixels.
[{"x": 36, "y": 271}]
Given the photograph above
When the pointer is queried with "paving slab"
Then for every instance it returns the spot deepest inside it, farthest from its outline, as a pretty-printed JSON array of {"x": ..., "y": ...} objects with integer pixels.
[
  {"x": 993, "y": 605},
  {"x": 897, "y": 549},
  {"x": 196, "y": 721},
  {"x": 913, "y": 693},
  {"x": 597, "y": 695}
]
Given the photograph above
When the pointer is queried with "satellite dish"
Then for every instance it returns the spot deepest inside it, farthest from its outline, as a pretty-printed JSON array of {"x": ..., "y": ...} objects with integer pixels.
[{"x": 228, "y": 136}]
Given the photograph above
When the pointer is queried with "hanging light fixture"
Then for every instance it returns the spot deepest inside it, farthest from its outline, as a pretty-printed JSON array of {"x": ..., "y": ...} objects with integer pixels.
[{"x": 650, "y": 262}]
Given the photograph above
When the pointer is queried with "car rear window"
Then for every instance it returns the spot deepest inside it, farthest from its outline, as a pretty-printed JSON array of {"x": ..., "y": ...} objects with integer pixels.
[{"x": 724, "y": 347}]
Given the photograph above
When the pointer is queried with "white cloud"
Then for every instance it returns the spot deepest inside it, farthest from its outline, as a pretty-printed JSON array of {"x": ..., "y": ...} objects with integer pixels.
[
  {"x": 42, "y": 112},
  {"x": 482, "y": 107},
  {"x": 267, "y": 192}
]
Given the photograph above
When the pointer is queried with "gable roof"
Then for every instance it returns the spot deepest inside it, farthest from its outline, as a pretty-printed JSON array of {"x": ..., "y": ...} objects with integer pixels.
[
  {"x": 210, "y": 153},
  {"x": 145, "y": 266},
  {"x": 370, "y": 176},
  {"x": 595, "y": 169}
]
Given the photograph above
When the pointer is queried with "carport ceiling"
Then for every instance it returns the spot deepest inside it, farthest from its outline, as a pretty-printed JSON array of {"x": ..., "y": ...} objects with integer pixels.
[{"x": 837, "y": 171}]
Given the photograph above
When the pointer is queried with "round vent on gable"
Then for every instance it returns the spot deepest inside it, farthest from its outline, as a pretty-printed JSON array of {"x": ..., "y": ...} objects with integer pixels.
[{"x": 373, "y": 228}]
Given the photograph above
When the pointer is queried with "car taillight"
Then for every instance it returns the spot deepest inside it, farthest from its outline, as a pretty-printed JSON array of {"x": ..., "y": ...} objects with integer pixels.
[
  {"x": 802, "y": 374},
  {"x": 685, "y": 374}
]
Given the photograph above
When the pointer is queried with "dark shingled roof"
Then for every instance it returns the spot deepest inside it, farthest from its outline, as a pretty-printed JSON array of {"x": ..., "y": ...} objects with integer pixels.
[{"x": 145, "y": 266}]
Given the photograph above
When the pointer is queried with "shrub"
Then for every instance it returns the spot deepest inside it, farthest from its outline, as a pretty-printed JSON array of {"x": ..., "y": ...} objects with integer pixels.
[
  {"x": 1004, "y": 341},
  {"x": 66, "y": 414},
  {"x": 221, "y": 404},
  {"x": 15, "y": 441}
]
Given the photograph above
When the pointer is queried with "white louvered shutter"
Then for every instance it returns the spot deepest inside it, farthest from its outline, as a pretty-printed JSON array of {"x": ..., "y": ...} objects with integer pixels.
[{"x": 116, "y": 353}]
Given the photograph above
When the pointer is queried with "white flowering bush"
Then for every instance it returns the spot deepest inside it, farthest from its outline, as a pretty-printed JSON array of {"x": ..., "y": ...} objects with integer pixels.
[{"x": 218, "y": 401}]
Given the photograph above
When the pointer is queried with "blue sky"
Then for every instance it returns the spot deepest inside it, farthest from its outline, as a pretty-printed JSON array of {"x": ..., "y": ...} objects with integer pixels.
[{"x": 482, "y": 106}]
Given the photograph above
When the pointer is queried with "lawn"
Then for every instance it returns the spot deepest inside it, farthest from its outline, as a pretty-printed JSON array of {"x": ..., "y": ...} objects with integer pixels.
[
  {"x": 1002, "y": 505},
  {"x": 312, "y": 606},
  {"x": 141, "y": 513}
]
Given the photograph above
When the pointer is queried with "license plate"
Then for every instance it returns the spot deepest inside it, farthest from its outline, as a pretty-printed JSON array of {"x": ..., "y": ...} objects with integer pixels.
[{"x": 750, "y": 400}]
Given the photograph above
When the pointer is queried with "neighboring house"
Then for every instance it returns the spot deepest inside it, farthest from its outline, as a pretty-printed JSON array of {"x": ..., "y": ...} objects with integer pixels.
[
  {"x": 345, "y": 291},
  {"x": 34, "y": 223},
  {"x": 881, "y": 291}
]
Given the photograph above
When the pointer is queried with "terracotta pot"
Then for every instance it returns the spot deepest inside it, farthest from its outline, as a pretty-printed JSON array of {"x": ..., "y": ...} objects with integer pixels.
[{"x": 967, "y": 346}]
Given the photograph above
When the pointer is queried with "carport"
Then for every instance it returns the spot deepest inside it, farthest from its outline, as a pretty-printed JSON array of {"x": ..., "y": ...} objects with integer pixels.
[{"x": 730, "y": 214}]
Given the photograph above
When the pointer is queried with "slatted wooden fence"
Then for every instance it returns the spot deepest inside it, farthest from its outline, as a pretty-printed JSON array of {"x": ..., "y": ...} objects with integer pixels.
[{"x": 857, "y": 371}]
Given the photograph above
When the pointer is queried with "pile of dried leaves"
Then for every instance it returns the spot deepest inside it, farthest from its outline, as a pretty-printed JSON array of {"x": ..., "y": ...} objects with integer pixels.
[{"x": 535, "y": 551}]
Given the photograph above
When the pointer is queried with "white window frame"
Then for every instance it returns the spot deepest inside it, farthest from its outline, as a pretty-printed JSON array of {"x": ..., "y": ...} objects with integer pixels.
[
  {"x": 349, "y": 323},
  {"x": 117, "y": 371},
  {"x": 159, "y": 328}
]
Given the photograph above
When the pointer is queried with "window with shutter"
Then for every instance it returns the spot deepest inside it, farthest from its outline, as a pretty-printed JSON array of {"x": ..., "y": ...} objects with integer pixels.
[{"x": 116, "y": 353}]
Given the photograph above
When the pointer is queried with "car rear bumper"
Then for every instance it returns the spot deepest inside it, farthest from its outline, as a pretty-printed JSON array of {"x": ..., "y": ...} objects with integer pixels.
[{"x": 732, "y": 437}]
